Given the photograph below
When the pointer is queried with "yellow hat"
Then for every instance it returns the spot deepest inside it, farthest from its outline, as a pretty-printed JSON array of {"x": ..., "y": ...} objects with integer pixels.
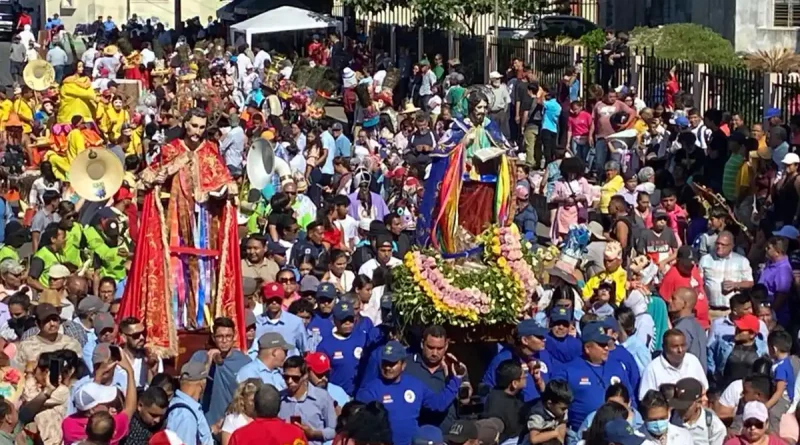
[
  {"x": 110, "y": 50},
  {"x": 39, "y": 75},
  {"x": 96, "y": 174}
]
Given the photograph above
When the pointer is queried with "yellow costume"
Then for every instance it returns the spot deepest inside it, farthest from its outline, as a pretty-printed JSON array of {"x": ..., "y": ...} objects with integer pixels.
[
  {"x": 101, "y": 110},
  {"x": 112, "y": 120},
  {"x": 135, "y": 146},
  {"x": 77, "y": 98},
  {"x": 76, "y": 143},
  {"x": 24, "y": 110},
  {"x": 5, "y": 110}
]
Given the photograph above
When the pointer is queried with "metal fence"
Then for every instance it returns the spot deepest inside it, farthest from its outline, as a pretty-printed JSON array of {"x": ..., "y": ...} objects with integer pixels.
[
  {"x": 549, "y": 61},
  {"x": 785, "y": 94},
  {"x": 652, "y": 73},
  {"x": 737, "y": 90},
  {"x": 505, "y": 50},
  {"x": 472, "y": 53},
  {"x": 435, "y": 42}
]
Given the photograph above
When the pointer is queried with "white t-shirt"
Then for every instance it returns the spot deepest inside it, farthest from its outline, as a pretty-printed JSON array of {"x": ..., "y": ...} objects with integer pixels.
[
  {"x": 349, "y": 227},
  {"x": 233, "y": 422},
  {"x": 732, "y": 394},
  {"x": 369, "y": 267},
  {"x": 298, "y": 164}
]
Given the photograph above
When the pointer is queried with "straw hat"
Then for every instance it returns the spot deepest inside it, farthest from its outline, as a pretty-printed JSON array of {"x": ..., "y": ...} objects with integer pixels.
[
  {"x": 96, "y": 175},
  {"x": 49, "y": 296},
  {"x": 110, "y": 50},
  {"x": 160, "y": 69},
  {"x": 408, "y": 107},
  {"x": 39, "y": 75},
  {"x": 13, "y": 120},
  {"x": 765, "y": 152}
]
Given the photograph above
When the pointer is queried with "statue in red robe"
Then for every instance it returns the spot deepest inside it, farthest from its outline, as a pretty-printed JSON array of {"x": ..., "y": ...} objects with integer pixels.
[{"x": 187, "y": 247}]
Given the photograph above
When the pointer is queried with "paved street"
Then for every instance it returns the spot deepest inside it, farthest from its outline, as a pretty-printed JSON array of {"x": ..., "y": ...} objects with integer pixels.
[{"x": 5, "y": 74}]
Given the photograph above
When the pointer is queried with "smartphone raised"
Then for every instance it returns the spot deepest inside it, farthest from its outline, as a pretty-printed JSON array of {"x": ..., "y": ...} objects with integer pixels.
[
  {"x": 295, "y": 419},
  {"x": 55, "y": 371},
  {"x": 116, "y": 354}
]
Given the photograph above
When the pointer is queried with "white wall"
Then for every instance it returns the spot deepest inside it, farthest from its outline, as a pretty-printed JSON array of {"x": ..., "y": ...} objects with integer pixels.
[
  {"x": 754, "y": 30},
  {"x": 86, "y": 11}
]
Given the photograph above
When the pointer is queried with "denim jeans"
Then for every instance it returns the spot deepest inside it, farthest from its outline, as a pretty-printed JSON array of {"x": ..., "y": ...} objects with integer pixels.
[
  {"x": 600, "y": 157},
  {"x": 581, "y": 151}
]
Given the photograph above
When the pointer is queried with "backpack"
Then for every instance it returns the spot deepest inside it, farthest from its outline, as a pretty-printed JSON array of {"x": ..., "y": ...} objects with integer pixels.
[{"x": 188, "y": 408}]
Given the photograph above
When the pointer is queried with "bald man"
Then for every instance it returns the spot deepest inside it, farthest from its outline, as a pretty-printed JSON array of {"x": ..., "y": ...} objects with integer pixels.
[{"x": 681, "y": 312}]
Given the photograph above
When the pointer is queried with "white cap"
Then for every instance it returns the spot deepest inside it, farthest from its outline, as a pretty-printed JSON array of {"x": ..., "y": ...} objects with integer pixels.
[
  {"x": 791, "y": 158},
  {"x": 495, "y": 75},
  {"x": 364, "y": 223},
  {"x": 61, "y": 271},
  {"x": 755, "y": 410},
  {"x": 92, "y": 394}
]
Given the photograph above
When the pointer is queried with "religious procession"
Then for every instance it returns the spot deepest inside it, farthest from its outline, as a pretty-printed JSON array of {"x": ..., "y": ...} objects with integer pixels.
[{"x": 207, "y": 241}]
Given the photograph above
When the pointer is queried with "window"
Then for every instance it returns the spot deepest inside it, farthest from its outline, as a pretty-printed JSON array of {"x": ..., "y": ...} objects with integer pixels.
[{"x": 787, "y": 14}]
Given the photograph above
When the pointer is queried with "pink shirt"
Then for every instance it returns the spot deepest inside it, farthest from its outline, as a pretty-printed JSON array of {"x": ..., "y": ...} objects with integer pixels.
[
  {"x": 579, "y": 124},
  {"x": 74, "y": 428},
  {"x": 602, "y": 117}
]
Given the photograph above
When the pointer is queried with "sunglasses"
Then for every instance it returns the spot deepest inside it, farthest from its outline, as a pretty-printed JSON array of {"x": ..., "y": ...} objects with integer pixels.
[
  {"x": 753, "y": 423},
  {"x": 136, "y": 335},
  {"x": 292, "y": 378},
  {"x": 286, "y": 280}
]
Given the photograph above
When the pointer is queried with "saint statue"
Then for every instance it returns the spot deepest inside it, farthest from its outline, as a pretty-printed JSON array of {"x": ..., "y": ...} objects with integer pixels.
[{"x": 189, "y": 246}]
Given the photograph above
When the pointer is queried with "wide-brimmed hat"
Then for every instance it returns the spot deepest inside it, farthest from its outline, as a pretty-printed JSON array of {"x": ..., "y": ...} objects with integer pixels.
[
  {"x": 110, "y": 50},
  {"x": 96, "y": 174},
  {"x": 160, "y": 69},
  {"x": 408, "y": 107},
  {"x": 39, "y": 75},
  {"x": 563, "y": 271}
]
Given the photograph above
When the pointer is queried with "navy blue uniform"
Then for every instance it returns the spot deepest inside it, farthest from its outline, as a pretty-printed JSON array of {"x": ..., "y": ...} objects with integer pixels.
[
  {"x": 625, "y": 358},
  {"x": 321, "y": 324},
  {"x": 563, "y": 350},
  {"x": 345, "y": 355},
  {"x": 404, "y": 399},
  {"x": 531, "y": 392},
  {"x": 588, "y": 384}
]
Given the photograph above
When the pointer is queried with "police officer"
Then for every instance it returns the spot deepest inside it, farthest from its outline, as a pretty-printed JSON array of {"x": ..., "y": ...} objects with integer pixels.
[
  {"x": 404, "y": 396},
  {"x": 589, "y": 376},
  {"x": 529, "y": 349}
]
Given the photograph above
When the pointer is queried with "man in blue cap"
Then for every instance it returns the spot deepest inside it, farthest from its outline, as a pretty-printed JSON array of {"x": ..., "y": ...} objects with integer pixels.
[
  {"x": 276, "y": 252},
  {"x": 428, "y": 435},
  {"x": 620, "y": 432},
  {"x": 344, "y": 345},
  {"x": 322, "y": 322},
  {"x": 562, "y": 346},
  {"x": 618, "y": 352},
  {"x": 404, "y": 396},
  {"x": 529, "y": 349},
  {"x": 590, "y": 375}
]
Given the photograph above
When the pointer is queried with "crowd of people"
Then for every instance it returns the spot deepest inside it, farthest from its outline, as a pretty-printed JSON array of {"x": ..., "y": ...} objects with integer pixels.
[{"x": 678, "y": 325}]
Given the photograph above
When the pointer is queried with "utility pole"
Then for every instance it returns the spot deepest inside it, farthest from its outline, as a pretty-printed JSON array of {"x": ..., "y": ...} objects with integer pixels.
[{"x": 496, "y": 18}]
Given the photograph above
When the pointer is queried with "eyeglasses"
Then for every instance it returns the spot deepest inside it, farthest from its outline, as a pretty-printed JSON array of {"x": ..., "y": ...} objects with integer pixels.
[{"x": 292, "y": 378}]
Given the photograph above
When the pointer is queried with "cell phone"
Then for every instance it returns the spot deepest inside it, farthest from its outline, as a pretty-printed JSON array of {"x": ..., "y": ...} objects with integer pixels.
[
  {"x": 116, "y": 354},
  {"x": 463, "y": 393},
  {"x": 295, "y": 419},
  {"x": 55, "y": 371}
]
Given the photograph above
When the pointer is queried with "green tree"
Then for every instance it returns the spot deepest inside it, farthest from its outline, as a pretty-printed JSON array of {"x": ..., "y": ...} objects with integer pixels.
[{"x": 686, "y": 41}]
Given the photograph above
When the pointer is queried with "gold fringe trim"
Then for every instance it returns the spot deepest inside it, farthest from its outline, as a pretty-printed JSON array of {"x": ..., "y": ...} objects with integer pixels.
[{"x": 172, "y": 349}]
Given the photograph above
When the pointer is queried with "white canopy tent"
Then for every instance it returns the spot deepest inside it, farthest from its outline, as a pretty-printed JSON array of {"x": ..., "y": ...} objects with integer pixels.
[{"x": 285, "y": 18}]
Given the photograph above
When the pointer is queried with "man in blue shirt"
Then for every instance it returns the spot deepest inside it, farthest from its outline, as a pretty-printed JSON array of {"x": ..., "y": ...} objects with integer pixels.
[
  {"x": 267, "y": 366},
  {"x": 275, "y": 319},
  {"x": 322, "y": 323},
  {"x": 185, "y": 413},
  {"x": 329, "y": 145},
  {"x": 225, "y": 364},
  {"x": 109, "y": 25},
  {"x": 618, "y": 352},
  {"x": 87, "y": 308},
  {"x": 529, "y": 349},
  {"x": 319, "y": 366},
  {"x": 344, "y": 346},
  {"x": 314, "y": 406},
  {"x": 404, "y": 396},
  {"x": 343, "y": 144},
  {"x": 590, "y": 375}
]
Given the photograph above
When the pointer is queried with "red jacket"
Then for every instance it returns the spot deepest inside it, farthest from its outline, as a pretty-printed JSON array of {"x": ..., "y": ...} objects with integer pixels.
[
  {"x": 268, "y": 432},
  {"x": 349, "y": 99}
]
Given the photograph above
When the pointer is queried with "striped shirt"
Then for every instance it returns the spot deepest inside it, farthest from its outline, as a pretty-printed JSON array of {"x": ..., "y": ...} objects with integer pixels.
[{"x": 730, "y": 176}]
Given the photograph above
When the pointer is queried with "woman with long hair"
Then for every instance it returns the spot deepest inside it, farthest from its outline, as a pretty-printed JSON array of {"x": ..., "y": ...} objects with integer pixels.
[
  {"x": 606, "y": 413},
  {"x": 241, "y": 410},
  {"x": 570, "y": 198},
  {"x": 337, "y": 274}
]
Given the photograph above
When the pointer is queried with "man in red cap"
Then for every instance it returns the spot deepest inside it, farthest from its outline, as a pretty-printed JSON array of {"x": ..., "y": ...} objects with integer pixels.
[
  {"x": 319, "y": 366},
  {"x": 275, "y": 319},
  {"x": 731, "y": 361}
]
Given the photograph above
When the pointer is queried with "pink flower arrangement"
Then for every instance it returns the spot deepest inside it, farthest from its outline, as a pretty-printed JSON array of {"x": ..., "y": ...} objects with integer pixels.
[
  {"x": 12, "y": 376},
  {"x": 467, "y": 303},
  {"x": 511, "y": 260}
]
